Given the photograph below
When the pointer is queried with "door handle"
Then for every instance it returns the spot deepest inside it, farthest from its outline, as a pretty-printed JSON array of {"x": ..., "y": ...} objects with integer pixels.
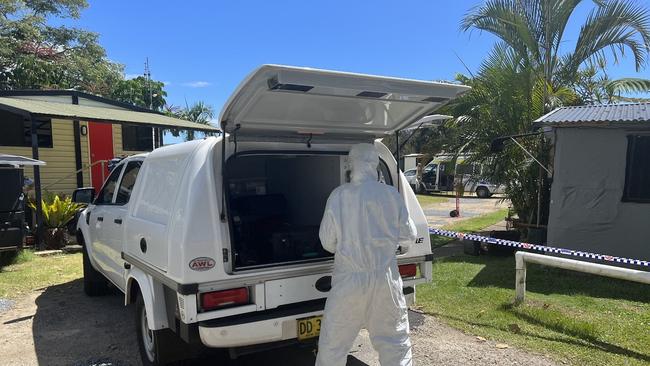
[
  {"x": 100, "y": 218},
  {"x": 118, "y": 221}
]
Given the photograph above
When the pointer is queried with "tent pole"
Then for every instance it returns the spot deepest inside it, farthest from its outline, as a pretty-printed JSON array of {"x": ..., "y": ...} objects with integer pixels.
[{"x": 38, "y": 242}]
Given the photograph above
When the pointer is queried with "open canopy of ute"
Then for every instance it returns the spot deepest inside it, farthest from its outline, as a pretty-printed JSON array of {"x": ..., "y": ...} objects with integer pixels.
[{"x": 289, "y": 100}]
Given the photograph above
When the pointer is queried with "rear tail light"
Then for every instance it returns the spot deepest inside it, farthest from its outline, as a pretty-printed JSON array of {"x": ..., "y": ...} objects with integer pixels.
[
  {"x": 225, "y": 298},
  {"x": 408, "y": 270}
]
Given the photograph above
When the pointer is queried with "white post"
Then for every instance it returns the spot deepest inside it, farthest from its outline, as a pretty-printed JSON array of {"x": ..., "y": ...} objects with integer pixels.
[
  {"x": 520, "y": 278},
  {"x": 521, "y": 258}
]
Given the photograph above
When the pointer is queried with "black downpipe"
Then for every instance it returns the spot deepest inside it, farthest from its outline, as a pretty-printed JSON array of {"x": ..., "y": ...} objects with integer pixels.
[
  {"x": 77, "y": 146},
  {"x": 37, "y": 184}
]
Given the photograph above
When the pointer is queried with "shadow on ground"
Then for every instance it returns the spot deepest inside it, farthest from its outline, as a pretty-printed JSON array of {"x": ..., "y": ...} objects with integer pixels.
[{"x": 70, "y": 328}]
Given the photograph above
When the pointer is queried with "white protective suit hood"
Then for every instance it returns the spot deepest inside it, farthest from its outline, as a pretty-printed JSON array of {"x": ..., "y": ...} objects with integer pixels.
[
  {"x": 364, "y": 161},
  {"x": 364, "y": 223}
]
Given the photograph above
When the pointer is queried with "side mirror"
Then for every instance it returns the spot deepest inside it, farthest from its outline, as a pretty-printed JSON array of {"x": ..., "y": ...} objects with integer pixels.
[{"x": 83, "y": 195}]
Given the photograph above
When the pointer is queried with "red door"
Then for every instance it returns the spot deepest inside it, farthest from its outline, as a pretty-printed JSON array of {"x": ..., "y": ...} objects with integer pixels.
[{"x": 100, "y": 138}]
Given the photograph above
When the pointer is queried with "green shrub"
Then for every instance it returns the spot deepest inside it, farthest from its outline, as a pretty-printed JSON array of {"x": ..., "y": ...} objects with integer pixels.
[
  {"x": 58, "y": 213},
  {"x": 55, "y": 217}
]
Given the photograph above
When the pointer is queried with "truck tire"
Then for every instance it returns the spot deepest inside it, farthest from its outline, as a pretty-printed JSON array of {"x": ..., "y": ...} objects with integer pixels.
[
  {"x": 95, "y": 284},
  {"x": 153, "y": 344},
  {"x": 482, "y": 192}
]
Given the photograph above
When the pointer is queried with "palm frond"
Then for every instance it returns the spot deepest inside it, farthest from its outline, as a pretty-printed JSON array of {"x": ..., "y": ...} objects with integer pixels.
[
  {"x": 629, "y": 85},
  {"x": 617, "y": 26},
  {"x": 507, "y": 20}
]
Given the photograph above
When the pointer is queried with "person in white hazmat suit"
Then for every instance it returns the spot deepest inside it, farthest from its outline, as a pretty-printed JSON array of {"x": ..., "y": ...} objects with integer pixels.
[{"x": 364, "y": 223}]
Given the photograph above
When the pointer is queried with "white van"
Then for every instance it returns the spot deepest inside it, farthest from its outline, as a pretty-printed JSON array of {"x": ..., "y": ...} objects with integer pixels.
[
  {"x": 446, "y": 170},
  {"x": 216, "y": 240}
]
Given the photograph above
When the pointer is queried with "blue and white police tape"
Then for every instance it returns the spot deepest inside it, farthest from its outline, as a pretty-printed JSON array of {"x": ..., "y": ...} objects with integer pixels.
[{"x": 543, "y": 248}]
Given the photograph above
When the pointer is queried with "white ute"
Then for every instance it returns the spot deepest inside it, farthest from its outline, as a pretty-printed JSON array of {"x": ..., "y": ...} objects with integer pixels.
[{"x": 216, "y": 241}]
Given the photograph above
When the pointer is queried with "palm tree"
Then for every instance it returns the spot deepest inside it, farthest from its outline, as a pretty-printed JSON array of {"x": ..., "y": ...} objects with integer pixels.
[
  {"x": 199, "y": 112},
  {"x": 594, "y": 86},
  {"x": 535, "y": 31}
]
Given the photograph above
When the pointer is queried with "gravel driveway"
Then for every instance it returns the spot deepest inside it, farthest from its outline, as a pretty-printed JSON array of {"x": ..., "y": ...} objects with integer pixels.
[
  {"x": 61, "y": 326},
  {"x": 438, "y": 214}
]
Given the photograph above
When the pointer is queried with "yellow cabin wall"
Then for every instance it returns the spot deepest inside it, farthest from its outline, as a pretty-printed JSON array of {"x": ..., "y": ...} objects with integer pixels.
[
  {"x": 59, "y": 159},
  {"x": 57, "y": 175}
]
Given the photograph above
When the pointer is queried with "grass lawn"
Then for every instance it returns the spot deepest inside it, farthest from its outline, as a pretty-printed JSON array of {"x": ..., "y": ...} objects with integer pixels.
[
  {"x": 469, "y": 226},
  {"x": 426, "y": 200},
  {"x": 30, "y": 272},
  {"x": 571, "y": 317}
]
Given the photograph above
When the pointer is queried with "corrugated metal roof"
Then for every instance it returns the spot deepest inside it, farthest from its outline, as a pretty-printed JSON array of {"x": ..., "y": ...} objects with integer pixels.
[
  {"x": 40, "y": 108},
  {"x": 597, "y": 114}
]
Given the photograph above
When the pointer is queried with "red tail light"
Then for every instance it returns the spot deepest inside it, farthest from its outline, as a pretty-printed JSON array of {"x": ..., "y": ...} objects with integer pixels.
[
  {"x": 225, "y": 298},
  {"x": 408, "y": 270}
]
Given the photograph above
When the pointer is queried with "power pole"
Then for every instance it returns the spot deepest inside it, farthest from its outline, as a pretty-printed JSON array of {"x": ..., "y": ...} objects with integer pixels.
[{"x": 147, "y": 77}]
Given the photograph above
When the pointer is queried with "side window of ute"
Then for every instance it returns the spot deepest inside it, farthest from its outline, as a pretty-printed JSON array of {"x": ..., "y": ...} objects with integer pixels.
[
  {"x": 127, "y": 182},
  {"x": 105, "y": 196}
]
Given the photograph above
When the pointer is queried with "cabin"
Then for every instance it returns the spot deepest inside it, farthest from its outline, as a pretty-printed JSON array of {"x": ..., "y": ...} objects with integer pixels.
[
  {"x": 77, "y": 134},
  {"x": 600, "y": 191}
]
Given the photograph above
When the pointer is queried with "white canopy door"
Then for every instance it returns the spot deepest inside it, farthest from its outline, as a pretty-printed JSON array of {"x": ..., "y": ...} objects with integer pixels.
[{"x": 284, "y": 100}]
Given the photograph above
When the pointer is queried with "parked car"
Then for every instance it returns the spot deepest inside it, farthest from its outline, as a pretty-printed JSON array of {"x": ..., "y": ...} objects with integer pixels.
[
  {"x": 483, "y": 188},
  {"x": 411, "y": 178},
  {"x": 216, "y": 242},
  {"x": 446, "y": 170}
]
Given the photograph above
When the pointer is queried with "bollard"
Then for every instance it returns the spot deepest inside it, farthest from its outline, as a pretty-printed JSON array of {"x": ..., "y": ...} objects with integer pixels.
[{"x": 520, "y": 278}]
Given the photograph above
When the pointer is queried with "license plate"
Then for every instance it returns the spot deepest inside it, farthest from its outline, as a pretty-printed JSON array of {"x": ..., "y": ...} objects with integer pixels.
[{"x": 309, "y": 327}]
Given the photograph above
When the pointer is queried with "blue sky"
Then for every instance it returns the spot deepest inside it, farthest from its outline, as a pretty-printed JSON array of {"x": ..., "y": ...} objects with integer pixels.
[{"x": 203, "y": 49}]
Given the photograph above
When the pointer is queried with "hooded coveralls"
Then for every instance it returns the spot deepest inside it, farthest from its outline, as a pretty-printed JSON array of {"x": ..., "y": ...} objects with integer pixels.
[{"x": 364, "y": 223}]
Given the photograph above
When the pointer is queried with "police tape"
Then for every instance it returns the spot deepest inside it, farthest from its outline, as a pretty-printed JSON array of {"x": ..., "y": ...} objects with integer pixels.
[{"x": 543, "y": 248}]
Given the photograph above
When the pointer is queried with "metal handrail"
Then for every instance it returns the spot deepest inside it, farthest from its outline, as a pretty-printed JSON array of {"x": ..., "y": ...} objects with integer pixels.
[
  {"x": 521, "y": 258},
  {"x": 102, "y": 162}
]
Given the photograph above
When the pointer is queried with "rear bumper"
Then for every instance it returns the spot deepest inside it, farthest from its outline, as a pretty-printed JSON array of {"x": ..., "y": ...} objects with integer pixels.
[
  {"x": 257, "y": 328},
  {"x": 248, "y": 334},
  {"x": 268, "y": 326}
]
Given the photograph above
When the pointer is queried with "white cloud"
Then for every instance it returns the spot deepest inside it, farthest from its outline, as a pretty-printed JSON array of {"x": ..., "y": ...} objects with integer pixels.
[
  {"x": 197, "y": 84},
  {"x": 167, "y": 83},
  {"x": 131, "y": 76}
]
